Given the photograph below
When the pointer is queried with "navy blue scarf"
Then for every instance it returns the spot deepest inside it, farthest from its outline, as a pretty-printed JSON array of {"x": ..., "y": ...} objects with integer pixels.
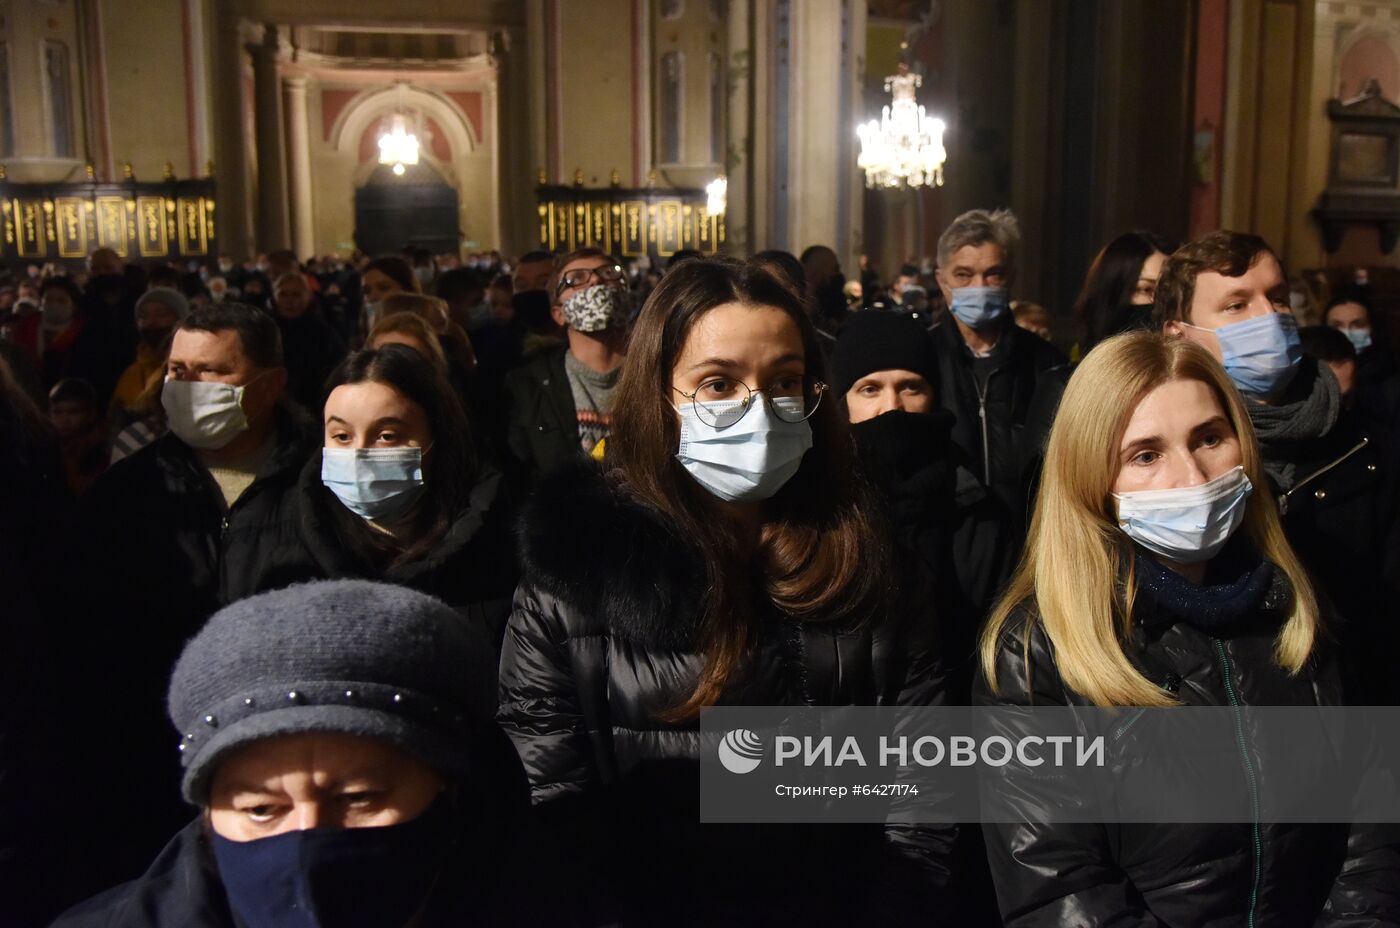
[{"x": 1236, "y": 583}]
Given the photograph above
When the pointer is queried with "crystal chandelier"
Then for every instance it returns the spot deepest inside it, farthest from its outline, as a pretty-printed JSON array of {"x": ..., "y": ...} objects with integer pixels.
[
  {"x": 905, "y": 148},
  {"x": 398, "y": 146}
]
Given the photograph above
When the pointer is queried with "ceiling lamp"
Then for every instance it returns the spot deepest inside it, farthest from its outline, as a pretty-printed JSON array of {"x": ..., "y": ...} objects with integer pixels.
[
  {"x": 398, "y": 146},
  {"x": 905, "y": 147}
]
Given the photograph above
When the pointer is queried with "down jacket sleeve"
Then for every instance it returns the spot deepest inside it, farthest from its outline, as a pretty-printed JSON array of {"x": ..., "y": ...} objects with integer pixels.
[{"x": 1049, "y": 874}]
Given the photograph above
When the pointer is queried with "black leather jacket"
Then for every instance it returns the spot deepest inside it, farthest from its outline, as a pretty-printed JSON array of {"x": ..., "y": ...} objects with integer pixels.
[{"x": 1259, "y": 873}]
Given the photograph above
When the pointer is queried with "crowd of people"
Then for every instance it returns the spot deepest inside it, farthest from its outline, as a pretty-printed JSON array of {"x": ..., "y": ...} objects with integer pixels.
[{"x": 388, "y": 591}]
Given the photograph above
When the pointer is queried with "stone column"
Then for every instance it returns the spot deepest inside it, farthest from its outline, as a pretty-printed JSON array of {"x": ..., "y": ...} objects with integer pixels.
[
  {"x": 299, "y": 167},
  {"x": 267, "y": 122},
  {"x": 234, "y": 216}
]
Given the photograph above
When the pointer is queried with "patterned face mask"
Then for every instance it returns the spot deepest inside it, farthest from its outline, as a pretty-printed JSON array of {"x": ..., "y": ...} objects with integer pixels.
[{"x": 597, "y": 309}]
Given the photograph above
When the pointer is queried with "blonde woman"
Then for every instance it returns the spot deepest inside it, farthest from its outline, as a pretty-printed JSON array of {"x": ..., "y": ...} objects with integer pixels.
[{"x": 1156, "y": 574}]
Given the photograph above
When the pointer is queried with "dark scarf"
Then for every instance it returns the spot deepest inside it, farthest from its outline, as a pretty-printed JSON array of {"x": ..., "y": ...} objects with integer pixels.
[
  {"x": 1307, "y": 411},
  {"x": 1236, "y": 583}
]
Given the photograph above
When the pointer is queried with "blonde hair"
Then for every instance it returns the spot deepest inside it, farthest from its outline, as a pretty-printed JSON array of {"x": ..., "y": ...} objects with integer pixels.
[
  {"x": 1075, "y": 555},
  {"x": 415, "y": 327},
  {"x": 455, "y": 343}
]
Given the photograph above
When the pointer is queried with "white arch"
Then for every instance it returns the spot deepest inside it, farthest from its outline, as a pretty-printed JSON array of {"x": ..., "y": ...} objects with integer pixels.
[
  {"x": 373, "y": 105},
  {"x": 1386, "y": 33}
]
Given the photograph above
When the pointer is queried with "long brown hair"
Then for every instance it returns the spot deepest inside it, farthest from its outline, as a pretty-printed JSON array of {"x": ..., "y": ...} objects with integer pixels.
[{"x": 819, "y": 556}]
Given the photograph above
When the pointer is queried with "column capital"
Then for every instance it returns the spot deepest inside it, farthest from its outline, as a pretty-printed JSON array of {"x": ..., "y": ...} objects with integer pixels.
[{"x": 294, "y": 82}]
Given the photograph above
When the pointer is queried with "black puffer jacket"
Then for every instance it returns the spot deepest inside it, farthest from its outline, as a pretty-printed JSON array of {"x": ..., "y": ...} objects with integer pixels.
[
  {"x": 601, "y": 638},
  {"x": 1209, "y": 646},
  {"x": 994, "y": 424},
  {"x": 472, "y": 568}
]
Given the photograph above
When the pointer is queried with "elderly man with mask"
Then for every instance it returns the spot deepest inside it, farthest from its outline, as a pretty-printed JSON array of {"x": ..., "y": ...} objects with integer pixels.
[
  {"x": 339, "y": 743},
  {"x": 162, "y": 530},
  {"x": 990, "y": 370},
  {"x": 560, "y": 402},
  {"x": 1335, "y": 484}
]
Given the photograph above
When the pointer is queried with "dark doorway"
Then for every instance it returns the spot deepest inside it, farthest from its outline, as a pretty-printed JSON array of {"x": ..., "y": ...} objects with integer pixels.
[{"x": 414, "y": 209}]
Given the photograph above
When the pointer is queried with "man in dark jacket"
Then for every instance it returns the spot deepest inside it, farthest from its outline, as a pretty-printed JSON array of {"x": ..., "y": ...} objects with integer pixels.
[
  {"x": 310, "y": 346},
  {"x": 559, "y": 403},
  {"x": 989, "y": 368},
  {"x": 159, "y": 534},
  {"x": 1334, "y": 484}
]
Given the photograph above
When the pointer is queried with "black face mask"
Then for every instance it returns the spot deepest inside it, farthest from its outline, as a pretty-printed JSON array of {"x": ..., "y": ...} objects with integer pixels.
[{"x": 336, "y": 877}]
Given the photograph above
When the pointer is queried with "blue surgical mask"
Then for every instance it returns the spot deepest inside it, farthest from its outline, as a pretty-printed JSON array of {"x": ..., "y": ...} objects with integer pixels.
[
  {"x": 336, "y": 877},
  {"x": 1262, "y": 354},
  {"x": 749, "y": 460},
  {"x": 1360, "y": 338},
  {"x": 378, "y": 484},
  {"x": 1186, "y": 524},
  {"x": 978, "y": 307}
]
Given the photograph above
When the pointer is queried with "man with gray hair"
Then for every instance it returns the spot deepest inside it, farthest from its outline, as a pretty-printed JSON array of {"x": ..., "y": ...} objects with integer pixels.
[{"x": 989, "y": 369}]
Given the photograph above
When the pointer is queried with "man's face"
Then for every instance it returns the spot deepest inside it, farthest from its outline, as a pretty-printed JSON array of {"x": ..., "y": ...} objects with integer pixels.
[
  {"x": 981, "y": 265},
  {"x": 104, "y": 261},
  {"x": 501, "y": 309},
  {"x": 218, "y": 357},
  {"x": 71, "y": 419},
  {"x": 880, "y": 392},
  {"x": 533, "y": 275},
  {"x": 156, "y": 322},
  {"x": 585, "y": 272},
  {"x": 1220, "y": 301},
  {"x": 292, "y": 297}
]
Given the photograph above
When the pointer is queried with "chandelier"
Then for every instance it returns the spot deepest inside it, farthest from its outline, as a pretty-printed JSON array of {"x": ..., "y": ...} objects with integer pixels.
[
  {"x": 398, "y": 146},
  {"x": 717, "y": 196},
  {"x": 905, "y": 148}
]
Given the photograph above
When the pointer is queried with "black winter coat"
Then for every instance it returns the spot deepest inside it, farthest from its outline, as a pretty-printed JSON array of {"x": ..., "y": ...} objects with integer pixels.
[
  {"x": 156, "y": 553},
  {"x": 944, "y": 517},
  {"x": 1342, "y": 517},
  {"x": 541, "y": 421},
  {"x": 1219, "y": 874},
  {"x": 601, "y": 638},
  {"x": 312, "y": 349},
  {"x": 992, "y": 424},
  {"x": 472, "y": 568}
]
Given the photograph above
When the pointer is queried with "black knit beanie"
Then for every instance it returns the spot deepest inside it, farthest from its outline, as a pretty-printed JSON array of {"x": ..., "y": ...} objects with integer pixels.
[
  {"x": 881, "y": 340},
  {"x": 341, "y": 656}
]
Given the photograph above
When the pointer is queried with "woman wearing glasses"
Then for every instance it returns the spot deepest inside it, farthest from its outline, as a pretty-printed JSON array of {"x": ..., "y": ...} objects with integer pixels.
[
  {"x": 724, "y": 557},
  {"x": 559, "y": 404}
]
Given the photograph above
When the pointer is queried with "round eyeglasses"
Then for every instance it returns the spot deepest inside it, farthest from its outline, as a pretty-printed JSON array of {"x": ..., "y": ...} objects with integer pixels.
[
  {"x": 721, "y": 401},
  {"x": 580, "y": 276}
]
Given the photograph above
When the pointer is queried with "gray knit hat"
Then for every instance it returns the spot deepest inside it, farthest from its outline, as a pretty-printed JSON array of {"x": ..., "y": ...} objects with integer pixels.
[
  {"x": 165, "y": 296},
  {"x": 345, "y": 656}
]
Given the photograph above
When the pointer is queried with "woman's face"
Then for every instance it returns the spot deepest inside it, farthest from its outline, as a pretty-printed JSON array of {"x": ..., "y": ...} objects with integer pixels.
[
  {"x": 377, "y": 285},
  {"x": 374, "y": 415},
  {"x": 1146, "y": 287},
  {"x": 736, "y": 343},
  {"x": 1178, "y": 436},
  {"x": 299, "y": 782}
]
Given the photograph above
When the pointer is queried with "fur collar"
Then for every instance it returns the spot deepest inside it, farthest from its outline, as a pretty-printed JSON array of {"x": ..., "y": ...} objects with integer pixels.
[{"x": 603, "y": 554}]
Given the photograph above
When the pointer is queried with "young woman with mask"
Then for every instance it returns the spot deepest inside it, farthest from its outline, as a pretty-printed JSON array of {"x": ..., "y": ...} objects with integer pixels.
[
  {"x": 383, "y": 277},
  {"x": 1157, "y": 574},
  {"x": 725, "y": 556},
  {"x": 396, "y": 494},
  {"x": 1118, "y": 290}
]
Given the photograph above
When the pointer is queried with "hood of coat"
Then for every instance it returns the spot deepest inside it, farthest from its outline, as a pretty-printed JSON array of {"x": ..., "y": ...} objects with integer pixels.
[{"x": 586, "y": 542}]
